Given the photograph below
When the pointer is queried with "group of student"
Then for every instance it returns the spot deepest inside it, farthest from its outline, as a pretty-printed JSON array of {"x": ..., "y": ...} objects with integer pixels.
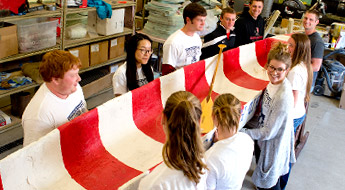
[
  {"x": 185, "y": 46},
  {"x": 225, "y": 164},
  {"x": 186, "y": 165}
]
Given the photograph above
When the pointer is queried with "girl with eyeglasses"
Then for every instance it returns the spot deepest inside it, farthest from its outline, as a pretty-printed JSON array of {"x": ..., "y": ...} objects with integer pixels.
[
  {"x": 183, "y": 164},
  {"x": 274, "y": 133},
  {"x": 136, "y": 71},
  {"x": 230, "y": 157}
]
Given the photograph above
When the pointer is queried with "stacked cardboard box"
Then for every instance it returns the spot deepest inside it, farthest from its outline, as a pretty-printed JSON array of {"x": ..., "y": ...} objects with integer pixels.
[{"x": 8, "y": 40}]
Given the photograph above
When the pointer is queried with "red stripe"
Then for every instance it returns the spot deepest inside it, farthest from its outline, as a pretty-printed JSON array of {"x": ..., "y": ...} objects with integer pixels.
[
  {"x": 234, "y": 72},
  {"x": 86, "y": 159},
  {"x": 147, "y": 110},
  {"x": 196, "y": 83},
  {"x": 262, "y": 48},
  {"x": 151, "y": 169},
  {"x": 1, "y": 186},
  {"x": 195, "y": 80}
]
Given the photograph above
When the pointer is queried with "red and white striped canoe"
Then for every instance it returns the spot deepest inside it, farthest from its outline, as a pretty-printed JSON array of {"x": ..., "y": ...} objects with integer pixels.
[{"x": 113, "y": 145}]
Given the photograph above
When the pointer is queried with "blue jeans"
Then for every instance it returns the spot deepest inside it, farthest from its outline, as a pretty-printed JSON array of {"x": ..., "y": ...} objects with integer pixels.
[
  {"x": 297, "y": 122},
  {"x": 284, "y": 179},
  {"x": 314, "y": 79}
]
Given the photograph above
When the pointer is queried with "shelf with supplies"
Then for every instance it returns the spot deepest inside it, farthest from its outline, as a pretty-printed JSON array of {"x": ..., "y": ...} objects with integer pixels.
[
  {"x": 15, "y": 121},
  {"x": 88, "y": 39},
  {"x": 24, "y": 55},
  {"x": 36, "y": 14},
  {"x": 109, "y": 62},
  {"x": 4, "y": 93},
  {"x": 114, "y": 5},
  {"x": 115, "y": 52}
]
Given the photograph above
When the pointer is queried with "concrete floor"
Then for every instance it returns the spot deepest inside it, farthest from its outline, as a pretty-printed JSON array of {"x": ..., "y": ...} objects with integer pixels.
[{"x": 321, "y": 164}]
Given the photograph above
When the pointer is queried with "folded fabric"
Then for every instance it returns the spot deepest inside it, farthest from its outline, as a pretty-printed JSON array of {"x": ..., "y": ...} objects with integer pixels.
[
  {"x": 13, "y": 82},
  {"x": 32, "y": 70},
  {"x": 103, "y": 9}
]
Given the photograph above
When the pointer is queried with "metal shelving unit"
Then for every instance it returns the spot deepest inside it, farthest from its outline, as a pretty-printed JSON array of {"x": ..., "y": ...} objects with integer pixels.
[
  {"x": 62, "y": 43},
  {"x": 24, "y": 55},
  {"x": 36, "y": 14},
  {"x": 87, "y": 40}
]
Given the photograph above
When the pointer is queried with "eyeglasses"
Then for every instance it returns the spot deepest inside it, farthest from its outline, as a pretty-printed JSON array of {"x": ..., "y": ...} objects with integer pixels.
[
  {"x": 144, "y": 51},
  {"x": 272, "y": 69}
]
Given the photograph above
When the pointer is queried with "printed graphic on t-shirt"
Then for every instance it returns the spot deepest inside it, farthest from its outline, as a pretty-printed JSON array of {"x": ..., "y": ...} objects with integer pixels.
[
  {"x": 77, "y": 111},
  {"x": 142, "y": 82},
  {"x": 266, "y": 104},
  {"x": 256, "y": 36},
  {"x": 192, "y": 52}
]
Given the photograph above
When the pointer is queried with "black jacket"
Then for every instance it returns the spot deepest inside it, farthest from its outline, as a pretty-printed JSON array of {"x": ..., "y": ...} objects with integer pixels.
[
  {"x": 249, "y": 30},
  {"x": 213, "y": 39}
]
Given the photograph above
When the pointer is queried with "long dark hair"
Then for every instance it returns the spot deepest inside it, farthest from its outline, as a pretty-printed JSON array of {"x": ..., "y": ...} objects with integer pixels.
[{"x": 131, "y": 68}]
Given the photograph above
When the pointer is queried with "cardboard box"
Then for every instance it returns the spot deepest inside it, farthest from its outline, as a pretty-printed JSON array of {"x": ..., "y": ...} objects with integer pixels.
[
  {"x": 8, "y": 40},
  {"x": 116, "y": 47},
  {"x": 98, "y": 53},
  {"x": 98, "y": 85},
  {"x": 82, "y": 53},
  {"x": 107, "y": 26}
]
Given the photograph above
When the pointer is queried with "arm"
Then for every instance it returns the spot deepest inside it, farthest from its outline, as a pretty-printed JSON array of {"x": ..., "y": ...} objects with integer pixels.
[
  {"x": 317, "y": 50},
  {"x": 119, "y": 83},
  {"x": 240, "y": 34},
  {"x": 316, "y": 64},
  {"x": 166, "y": 69},
  {"x": 295, "y": 97},
  {"x": 170, "y": 55}
]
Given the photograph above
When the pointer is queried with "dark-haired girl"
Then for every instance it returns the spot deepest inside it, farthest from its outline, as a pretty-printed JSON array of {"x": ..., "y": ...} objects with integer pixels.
[{"x": 136, "y": 71}]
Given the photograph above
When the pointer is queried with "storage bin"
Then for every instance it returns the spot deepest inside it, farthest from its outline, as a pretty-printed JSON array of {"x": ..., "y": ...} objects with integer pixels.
[{"x": 35, "y": 34}]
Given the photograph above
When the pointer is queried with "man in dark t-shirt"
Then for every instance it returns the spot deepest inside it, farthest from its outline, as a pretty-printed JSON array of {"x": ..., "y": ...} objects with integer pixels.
[{"x": 310, "y": 20}]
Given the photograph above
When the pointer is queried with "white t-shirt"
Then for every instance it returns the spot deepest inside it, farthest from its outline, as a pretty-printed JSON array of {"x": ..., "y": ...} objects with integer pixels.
[
  {"x": 298, "y": 77},
  {"x": 228, "y": 161},
  {"x": 46, "y": 111},
  {"x": 180, "y": 49},
  {"x": 164, "y": 178},
  {"x": 120, "y": 79}
]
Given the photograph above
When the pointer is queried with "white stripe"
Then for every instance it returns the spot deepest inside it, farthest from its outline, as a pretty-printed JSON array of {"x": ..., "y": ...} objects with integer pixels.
[
  {"x": 223, "y": 85},
  {"x": 214, "y": 41},
  {"x": 121, "y": 137},
  {"x": 249, "y": 62},
  {"x": 37, "y": 166},
  {"x": 171, "y": 83},
  {"x": 134, "y": 182}
]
